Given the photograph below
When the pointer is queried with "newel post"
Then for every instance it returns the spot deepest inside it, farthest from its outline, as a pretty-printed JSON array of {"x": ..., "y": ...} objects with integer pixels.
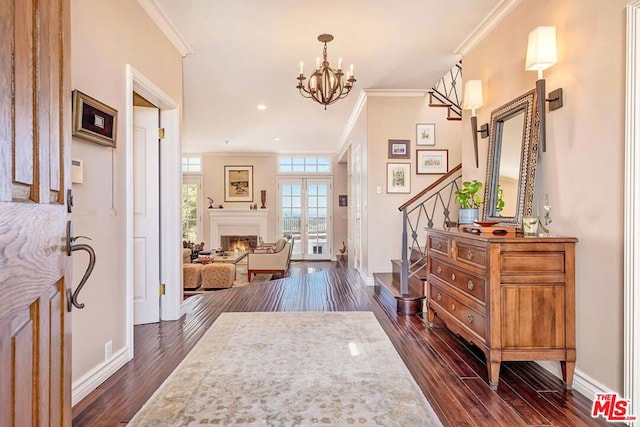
[{"x": 404, "y": 262}]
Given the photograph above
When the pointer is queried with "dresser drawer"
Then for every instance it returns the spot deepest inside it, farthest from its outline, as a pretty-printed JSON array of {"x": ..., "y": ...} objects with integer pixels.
[
  {"x": 469, "y": 318},
  {"x": 465, "y": 282},
  {"x": 466, "y": 253},
  {"x": 439, "y": 245}
]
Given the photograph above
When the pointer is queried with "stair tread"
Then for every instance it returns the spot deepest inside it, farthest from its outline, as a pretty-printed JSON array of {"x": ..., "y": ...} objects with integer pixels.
[{"x": 392, "y": 283}]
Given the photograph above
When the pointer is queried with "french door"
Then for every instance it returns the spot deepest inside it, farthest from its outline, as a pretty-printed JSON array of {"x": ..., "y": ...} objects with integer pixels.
[{"x": 305, "y": 212}]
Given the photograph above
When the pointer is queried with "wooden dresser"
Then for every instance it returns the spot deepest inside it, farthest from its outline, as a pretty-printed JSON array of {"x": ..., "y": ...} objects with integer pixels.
[{"x": 513, "y": 297}]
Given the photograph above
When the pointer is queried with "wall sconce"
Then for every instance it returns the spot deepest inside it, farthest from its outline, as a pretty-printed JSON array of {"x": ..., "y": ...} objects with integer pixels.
[
  {"x": 472, "y": 101},
  {"x": 542, "y": 54}
]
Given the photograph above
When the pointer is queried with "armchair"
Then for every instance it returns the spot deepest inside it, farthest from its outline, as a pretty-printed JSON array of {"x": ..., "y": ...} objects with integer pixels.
[{"x": 271, "y": 261}]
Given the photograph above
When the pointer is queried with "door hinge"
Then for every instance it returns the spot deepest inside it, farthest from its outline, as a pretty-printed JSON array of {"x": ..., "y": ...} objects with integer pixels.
[
  {"x": 163, "y": 289},
  {"x": 160, "y": 133}
]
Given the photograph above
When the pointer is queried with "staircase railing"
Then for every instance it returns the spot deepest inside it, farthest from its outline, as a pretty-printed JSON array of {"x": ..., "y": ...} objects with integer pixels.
[
  {"x": 424, "y": 206},
  {"x": 446, "y": 89}
]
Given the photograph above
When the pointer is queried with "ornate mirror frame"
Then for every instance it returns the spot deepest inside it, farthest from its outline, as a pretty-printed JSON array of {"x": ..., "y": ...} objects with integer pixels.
[{"x": 528, "y": 159}]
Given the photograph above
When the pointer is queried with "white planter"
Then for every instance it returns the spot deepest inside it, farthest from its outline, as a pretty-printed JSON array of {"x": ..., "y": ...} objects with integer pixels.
[{"x": 468, "y": 216}]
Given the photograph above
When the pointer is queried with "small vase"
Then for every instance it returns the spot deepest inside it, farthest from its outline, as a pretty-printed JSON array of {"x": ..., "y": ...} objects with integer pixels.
[
  {"x": 263, "y": 198},
  {"x": 468, "y": 216}
]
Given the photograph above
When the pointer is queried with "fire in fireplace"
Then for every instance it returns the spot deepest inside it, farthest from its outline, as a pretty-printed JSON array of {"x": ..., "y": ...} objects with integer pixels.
[{"x": 238, "y": 243}]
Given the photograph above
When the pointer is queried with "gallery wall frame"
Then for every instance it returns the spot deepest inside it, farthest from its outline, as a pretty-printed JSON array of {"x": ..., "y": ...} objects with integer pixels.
[
  {"x": 94, "y": 121},
  {"x": 426, "y": 134},
  {"x": 399, "y": 149},
  {"x": 398, "y": 178},
  {"x": 238, "y": 183},
  {"x": 432, "y": 162}
]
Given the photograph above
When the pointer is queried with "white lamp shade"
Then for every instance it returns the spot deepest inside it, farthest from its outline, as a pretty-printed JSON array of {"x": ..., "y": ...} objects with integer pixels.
[
  {"x": 541, "y": 50},
  {"x": 472, "y": 95}
]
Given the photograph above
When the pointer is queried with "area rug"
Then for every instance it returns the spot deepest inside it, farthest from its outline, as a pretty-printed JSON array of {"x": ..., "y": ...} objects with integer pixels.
[{"x": 290, "y": 369}]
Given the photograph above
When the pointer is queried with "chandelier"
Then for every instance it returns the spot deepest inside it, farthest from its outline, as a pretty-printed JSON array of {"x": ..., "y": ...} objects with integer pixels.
[{"x": 325, "y": 85}]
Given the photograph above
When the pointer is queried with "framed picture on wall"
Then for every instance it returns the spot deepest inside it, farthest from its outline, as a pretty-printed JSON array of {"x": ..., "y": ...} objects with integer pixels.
[
  {"x": 238, "y": 183},
  {"x": 430, "y": 162},
  {"x": 93, "y": 120},
  {"x": 398, "y": 177},
  {"x": 399, "y": 149},
  {"x": 426, "y": 134}
]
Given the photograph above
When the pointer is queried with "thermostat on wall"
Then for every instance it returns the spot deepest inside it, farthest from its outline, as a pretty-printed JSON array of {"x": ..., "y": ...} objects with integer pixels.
[{"x": 77, "y": 171}]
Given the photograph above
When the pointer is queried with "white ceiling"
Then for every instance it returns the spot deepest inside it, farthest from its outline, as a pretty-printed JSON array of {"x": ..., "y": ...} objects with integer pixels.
[{"x": 247, "y": 52}]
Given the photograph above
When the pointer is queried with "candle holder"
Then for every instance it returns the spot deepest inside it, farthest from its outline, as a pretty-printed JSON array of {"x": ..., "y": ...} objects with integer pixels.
[{"x": 263, "y": 198}]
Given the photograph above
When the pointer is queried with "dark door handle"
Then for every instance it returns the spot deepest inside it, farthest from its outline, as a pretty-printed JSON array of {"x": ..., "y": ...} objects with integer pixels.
[{"x": 72, "y": 297}]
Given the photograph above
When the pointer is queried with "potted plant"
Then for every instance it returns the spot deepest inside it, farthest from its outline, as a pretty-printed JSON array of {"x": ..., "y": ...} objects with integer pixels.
[
  {"x": 469, "y": 201},
  {"x": 500, "y": 201}
]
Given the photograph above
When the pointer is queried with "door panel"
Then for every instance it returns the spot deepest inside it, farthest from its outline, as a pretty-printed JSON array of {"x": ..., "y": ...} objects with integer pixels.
[
  {"x": 305, "y": 206},
  {"x": 146, "y": 216},
  {"x": 35, "y": 327}
]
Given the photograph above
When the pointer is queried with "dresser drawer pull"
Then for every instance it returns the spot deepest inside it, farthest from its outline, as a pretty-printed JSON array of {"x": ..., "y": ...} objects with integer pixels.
[
  {"x": 439, "y": 245},
  {"x": 470, "y": 318},
  {"x": 453, "y": 307},
  {"x": 470, "y": 285},
  {"x": 470, "y": 256},
  {"x": 438, "y": 269},
  {"x": 439, "y": 297},
  {"x": 453, "y": 276}
]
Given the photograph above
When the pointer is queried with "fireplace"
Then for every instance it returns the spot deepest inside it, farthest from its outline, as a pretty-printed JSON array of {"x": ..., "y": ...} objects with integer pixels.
[
  {"x": 235, "y": 243},
  {"x": 237, "y": 222}
]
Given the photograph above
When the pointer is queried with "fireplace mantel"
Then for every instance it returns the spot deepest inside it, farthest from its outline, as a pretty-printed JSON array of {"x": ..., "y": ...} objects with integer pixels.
[{"x": 236, "y": 221}]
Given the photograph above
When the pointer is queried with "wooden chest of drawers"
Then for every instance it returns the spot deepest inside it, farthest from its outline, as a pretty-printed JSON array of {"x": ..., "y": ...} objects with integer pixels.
[{"x": 513, "y": 297}]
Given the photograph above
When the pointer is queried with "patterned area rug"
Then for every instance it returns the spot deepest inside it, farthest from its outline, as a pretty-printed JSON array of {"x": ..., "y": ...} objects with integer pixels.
[{"x": 286, "y": 369}]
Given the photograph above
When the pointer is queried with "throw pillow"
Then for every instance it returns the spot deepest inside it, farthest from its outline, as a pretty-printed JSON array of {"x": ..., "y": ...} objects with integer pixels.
[{"x": 279, "y": 245}]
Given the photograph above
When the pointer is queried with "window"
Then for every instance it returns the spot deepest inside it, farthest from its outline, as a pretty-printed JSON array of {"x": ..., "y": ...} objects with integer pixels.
[
  {"x": 192, "y": 164},
  {"x": 191, "y": 211},
  {"x": 304, "y": 164}
]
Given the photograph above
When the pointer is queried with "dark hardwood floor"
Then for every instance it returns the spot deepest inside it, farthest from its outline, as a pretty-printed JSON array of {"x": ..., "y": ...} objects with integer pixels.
[{"x": 451, "y": 373}]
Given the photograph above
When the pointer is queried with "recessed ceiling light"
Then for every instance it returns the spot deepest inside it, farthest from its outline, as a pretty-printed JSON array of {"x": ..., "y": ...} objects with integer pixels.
[
  {"x": 226, "y": 141},
  {"x": 262, "y": 107},
  {"x": 276, "y": 139}
]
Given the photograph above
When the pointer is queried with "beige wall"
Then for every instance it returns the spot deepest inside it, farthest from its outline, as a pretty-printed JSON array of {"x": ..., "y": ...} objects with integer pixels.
[
  {"x": 264, "y": 178},
  {"x": 396, "y": 118},
  {"x": 583, "y": 167},
  {"x": 105, "y": 36}
]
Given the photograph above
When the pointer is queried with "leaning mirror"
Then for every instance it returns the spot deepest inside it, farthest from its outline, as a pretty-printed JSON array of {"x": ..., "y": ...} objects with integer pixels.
[{"x": 511, "y": 164}]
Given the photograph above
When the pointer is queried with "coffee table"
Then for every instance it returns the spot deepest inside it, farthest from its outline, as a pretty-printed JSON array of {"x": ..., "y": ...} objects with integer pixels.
[{"x": 229, "y": 257}]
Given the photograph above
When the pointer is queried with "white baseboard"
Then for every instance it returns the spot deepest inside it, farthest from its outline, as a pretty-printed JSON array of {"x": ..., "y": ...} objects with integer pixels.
[
  {"x": 92, "y": 379},
  {"x": 582, "y": 382}
]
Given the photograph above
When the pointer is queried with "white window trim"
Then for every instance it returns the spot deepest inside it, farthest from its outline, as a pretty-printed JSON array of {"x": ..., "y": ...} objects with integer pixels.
[
  {"x": 193, "y": 178},
  {"x": 305, "y": 173},
  {"x": 195, "y": 156}
]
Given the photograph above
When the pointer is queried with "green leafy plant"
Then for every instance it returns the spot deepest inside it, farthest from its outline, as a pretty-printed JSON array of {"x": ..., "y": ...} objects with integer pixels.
[
  {"x": 467, "y": 195},
  {"x": 500, "y": 201}
]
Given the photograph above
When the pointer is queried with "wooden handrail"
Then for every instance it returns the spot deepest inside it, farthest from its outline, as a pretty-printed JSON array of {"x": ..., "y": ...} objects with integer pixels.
[{"x": 434, "y": 185}]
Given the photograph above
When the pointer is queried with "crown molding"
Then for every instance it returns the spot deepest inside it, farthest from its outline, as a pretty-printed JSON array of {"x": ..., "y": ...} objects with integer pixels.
[
  {"x": 157, "y": 15},
  {"x": 496, "y": 15}
]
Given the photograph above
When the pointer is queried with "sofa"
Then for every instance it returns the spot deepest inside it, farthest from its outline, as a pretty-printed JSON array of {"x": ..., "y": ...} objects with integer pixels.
[{"x": 271, "y": 259}]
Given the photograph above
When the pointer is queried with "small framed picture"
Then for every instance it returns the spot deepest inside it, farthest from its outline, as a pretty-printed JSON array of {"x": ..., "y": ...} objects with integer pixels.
[
  {"x": 432, "y": 162},
  {"x": 342, "y": 200},
  {"x": 93, "y": 120},
  {"x": 398, "y": 177},
  {"x": 238, "y": 183},
  {"x": 399, "y": 149},
  {"x": 426, "y": 134}
]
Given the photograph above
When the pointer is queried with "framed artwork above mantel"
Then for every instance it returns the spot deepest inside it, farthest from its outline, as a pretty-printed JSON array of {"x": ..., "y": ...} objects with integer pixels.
[{"x": 238, "y": 183}]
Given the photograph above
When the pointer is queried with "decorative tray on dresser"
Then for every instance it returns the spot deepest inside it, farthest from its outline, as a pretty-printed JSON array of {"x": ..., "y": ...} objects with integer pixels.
[{"x": 513, "y": 297}]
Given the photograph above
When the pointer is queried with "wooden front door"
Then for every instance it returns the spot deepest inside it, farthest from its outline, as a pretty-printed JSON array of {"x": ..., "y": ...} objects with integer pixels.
[{"x": 35, "y": 119}]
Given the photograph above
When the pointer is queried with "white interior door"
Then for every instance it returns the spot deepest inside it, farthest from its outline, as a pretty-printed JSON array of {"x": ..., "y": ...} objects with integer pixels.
[
  {"x": 146, "y": 216},
  {"x": 306, "y": 213},
  {"x": 357, "y": 207}
]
